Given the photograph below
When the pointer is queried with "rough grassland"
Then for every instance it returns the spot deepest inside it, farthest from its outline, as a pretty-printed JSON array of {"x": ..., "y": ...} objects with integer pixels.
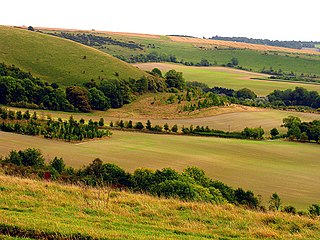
[
  {"x": 59, "y": 60},
  {"x": 69, "y": 210},
  {"x": 290, "y": 169},
  {"x": 228, "y": 78}
]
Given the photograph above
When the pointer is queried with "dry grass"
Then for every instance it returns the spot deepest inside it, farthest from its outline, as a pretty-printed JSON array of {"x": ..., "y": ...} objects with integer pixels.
[{"x": 69, "y": 210}]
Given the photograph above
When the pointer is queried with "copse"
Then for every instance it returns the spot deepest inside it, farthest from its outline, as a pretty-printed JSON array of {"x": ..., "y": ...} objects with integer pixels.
[{"x": 175, "y": 79}]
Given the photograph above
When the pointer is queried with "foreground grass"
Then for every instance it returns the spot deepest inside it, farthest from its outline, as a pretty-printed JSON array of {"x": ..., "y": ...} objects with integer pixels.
[
  {"x": 62, "y": 210},
  {"x": 58, "y": 60},
  {"x": 228, "y": 78},
  {"x": 288, "y": 168}
]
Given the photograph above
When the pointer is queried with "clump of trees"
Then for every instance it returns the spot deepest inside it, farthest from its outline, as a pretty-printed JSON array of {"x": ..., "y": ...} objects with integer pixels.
[
  {"x": 70, "y": 130},
  {"x": 302, "y": 131},
  {"x": 297, "y": 97}
]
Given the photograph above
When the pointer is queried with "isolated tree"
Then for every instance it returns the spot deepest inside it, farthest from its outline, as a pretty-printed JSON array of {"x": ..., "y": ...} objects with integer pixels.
[
  {"x": 148, "y": 125},
  {"x": 139, "y": 125},
  {"x": 166, "y": 127},
  {"x": 274, "y": 132},
  {"x": 274, "y": 202},
  {"x": 101, "y": 122},
  {"x": 174, "y": 128},
  {"x": 129, "y": 124},
  {"x": 30, "y": 28}
]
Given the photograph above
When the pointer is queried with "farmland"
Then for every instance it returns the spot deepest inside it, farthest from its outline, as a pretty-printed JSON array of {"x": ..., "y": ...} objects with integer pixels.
[
  {"x": 288, "y": 168},
  {"x": 58, "y": 60},
  {"x": 228, "y": 78},
  {"x": 189, "y": 51}
]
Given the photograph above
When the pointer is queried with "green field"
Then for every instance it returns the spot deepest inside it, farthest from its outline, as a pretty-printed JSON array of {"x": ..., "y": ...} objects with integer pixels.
[
  {"x": 53, "y": 210},
  {"x": 228, "y": 78},
  {"x": 290, "y": 169},
  {"x": 249, "y": 59},
  {"x": 58, "y": 60}
]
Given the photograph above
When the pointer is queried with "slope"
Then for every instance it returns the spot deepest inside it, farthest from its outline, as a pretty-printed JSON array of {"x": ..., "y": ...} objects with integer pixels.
[
  {"x": 71, "y": 212},
  {"x": 58, "y": 60}
]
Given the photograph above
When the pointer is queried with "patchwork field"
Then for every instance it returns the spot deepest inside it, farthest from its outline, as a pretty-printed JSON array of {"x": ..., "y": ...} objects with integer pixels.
[
  {"x": 290, "y": 169},
  {"x": 228, "y": 78}
]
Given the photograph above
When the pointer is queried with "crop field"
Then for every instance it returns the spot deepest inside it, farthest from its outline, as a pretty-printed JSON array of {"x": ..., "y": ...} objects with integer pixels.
[
  {"x": 288, "y": 168},
  {"x": 74, "y": 212},
  {"x": 221, "y": 118},
  {"x": 58, "y": 60},
  {"x": 228, "y": 78},
  {"x": 241, "y": 45}
]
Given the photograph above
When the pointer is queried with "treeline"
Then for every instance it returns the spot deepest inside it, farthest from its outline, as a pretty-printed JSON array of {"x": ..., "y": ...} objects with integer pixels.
[
  {"x": 302, "y": 131},
  {"x": 247, "y": 133},
  {"x": 297, "y": 97},
  {"x": 96, "y": 41},
  {"x": 71, "y": 130},
  {"x": 21, "y": 89},
  {"x": 277, "y": 43},
  {"x": 190, "y": 185}
]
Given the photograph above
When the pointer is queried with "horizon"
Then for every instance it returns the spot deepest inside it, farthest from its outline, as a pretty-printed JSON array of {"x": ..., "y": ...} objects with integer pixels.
[{"x": 285, "y": 21}]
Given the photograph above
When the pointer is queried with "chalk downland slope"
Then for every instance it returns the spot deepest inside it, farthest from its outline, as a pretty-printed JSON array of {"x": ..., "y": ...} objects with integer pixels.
[
  {"x": 73, "y": 213},
  {"x": 59, "y": 60}
]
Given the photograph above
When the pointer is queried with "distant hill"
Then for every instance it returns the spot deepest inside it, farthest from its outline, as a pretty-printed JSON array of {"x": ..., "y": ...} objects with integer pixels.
[
  {"x": 277, "y": 43},
  {"x": 134, "y": 48},
  {"x": 59, "y": 60}
]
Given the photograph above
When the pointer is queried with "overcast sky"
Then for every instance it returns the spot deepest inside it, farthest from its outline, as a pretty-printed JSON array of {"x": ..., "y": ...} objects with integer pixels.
[{"x": 272, "y": 19}]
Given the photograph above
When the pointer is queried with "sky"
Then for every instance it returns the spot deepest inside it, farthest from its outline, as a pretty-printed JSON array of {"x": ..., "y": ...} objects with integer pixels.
[{"x": 272, "y": 19}]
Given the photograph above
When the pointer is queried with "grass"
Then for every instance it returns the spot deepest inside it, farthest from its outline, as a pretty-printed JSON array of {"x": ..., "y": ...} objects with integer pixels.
[
  {"x": 250, "y": 59},
  {"x": 288, "y": 168},
  {"x": 58, "y": 60},
  {"x": 70, "y": 210},
  {"x": 228, "y": 78}
]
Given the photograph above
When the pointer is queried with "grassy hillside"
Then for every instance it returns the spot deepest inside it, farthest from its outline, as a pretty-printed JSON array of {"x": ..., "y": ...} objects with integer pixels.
[
  {"x": 69, "y": 211},
  {"x": 59, "y": 60},
  {"x": 228, "y": 78},
  {"x": 288, "y": 168},
  {"x": 194, "y": 50}
]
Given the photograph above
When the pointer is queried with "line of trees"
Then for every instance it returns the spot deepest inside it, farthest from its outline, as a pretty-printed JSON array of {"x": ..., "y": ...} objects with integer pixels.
[
  {"x": 70, "y": 130},
  {"x": 191, "y": 184},
  {"x": 277, "y": 43}
]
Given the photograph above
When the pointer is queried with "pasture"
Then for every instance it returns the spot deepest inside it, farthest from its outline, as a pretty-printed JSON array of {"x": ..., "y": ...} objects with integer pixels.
[
  {"x": 228, "y": 78},
  {"x": 59, "y": 60},
  {"x": 288, "y": 168}
]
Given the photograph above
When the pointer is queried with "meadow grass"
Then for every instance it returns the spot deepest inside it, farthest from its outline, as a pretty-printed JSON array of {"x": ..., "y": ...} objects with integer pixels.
[
  {"x": 288, "y": 168},
  {"x": 65, "y": 210},
  {"x": 59, "y": 60},
  {"x": 228, "y": 78}
]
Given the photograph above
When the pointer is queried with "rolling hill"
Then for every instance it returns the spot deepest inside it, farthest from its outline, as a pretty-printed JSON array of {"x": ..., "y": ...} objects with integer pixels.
[
  {"x": 253, "y": 57},
  {"x": 59, "y": 60}
]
